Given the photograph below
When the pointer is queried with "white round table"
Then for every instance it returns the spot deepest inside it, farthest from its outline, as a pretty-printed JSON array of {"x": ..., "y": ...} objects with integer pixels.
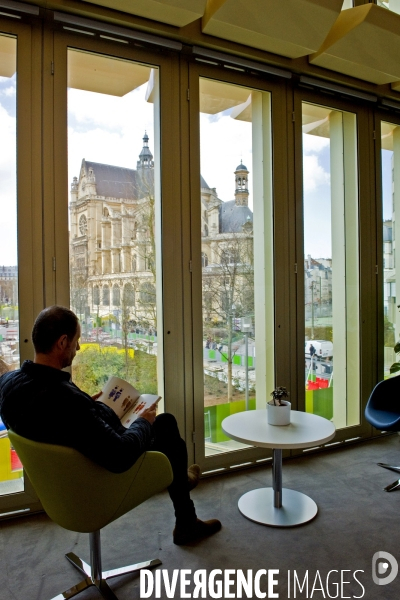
[{"x": 276, "y": 506}]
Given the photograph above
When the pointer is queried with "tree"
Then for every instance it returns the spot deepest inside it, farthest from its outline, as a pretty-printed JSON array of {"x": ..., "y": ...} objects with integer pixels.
[
  {"x": 228, "y": 290},
  {"x": 79, "y": 291},
  {"x": 94, "y": 364}
]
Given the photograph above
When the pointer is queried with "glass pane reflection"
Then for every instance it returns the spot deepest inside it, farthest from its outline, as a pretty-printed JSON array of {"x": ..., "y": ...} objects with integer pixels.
[
  {"x": 11, "y": 477},
  {"x": 331, "y": 280}
]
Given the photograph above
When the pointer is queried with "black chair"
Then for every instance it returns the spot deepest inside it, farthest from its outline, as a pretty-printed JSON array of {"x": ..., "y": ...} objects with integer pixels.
[{"x": 383, "y": 412}]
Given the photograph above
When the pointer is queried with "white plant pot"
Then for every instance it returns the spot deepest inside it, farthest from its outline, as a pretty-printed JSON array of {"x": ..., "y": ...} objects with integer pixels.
[{"x": 279, "y": 415}]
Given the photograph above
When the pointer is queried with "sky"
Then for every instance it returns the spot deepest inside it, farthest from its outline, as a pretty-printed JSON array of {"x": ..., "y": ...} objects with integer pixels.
[
  {"x": 387, "y": 183},
  {"x": 117, "y": 139},
  {"x": 317, "y": 196},
  {"x": 224, "y": 142},
  {"x": 8, "y": 168},
  {"x": 109, "y": 129}
]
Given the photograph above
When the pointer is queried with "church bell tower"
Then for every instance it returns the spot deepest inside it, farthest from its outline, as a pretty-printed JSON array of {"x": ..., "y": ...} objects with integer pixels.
[{"x": 241, "y": 183}]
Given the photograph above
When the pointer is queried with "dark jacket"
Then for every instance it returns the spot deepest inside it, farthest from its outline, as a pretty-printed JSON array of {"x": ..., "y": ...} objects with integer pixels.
[{"x": 42, "y": 404}]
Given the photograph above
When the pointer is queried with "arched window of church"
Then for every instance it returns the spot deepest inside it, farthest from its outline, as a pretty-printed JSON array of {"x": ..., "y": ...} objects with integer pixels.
[
  {"x": 204, "y": 259},
  {"x": 147, "y": 293},
  {"x": 129, "y": 295},
  {"x": 105, "y": 212},
  {"x": 116, "y": 295},
  {"x": 106, "y": 295},
  {"x": 82, "y": 225},
  {"x": 96, "y": 295}
]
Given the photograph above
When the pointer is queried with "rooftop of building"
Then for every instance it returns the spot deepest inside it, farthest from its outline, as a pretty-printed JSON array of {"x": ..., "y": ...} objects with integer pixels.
[{"x": 232, "y": 217}]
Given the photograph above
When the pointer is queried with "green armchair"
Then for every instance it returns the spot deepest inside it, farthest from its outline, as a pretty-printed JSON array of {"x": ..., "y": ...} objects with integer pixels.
[{"x": 81, "y": 496}]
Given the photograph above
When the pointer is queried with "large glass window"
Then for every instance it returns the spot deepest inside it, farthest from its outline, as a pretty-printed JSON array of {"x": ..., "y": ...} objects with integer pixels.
[
  {"x": 390, "y": 136},
  {"x": 236, "y": 254},
  {"x": 10, "y": 466},
  {"x": 393, "y": 5},
  {"x": 347, "y": 4},
  {"x": 331, "y": 280},
  {"x": 113, "y": 160}
]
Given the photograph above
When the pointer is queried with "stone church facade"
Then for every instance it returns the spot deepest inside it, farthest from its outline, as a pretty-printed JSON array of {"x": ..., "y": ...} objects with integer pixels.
[{"x": 112, "y": 238}]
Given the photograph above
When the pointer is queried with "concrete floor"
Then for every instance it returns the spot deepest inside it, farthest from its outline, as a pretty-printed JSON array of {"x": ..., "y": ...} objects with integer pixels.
[{"x": 356, "y": 519}]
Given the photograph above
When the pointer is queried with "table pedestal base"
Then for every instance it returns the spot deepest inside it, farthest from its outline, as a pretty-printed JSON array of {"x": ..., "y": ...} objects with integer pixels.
[{"x": 258, "y": 506}]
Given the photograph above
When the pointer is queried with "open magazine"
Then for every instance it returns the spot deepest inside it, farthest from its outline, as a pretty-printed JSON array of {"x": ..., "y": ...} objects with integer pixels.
[{"x": 125, "y": 400}]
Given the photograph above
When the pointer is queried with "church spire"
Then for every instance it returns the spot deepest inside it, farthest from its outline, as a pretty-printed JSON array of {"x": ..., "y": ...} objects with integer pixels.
[
  {"x": 145, "y": 157},
  {"x": 241, "y": 181}
]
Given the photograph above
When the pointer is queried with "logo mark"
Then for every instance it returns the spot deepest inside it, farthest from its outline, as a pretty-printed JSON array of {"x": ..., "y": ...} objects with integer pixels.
[{"x": 381, "y": 561}]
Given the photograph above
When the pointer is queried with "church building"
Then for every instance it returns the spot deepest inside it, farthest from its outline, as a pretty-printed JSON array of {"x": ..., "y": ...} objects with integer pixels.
[{"x": 112, "y": 238}]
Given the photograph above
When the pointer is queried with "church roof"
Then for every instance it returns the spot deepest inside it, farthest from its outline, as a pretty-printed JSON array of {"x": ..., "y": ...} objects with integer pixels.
[
  {"x": 119, "y": 182},
  {"x": 115, "y": 182},
  {"x": 241, "y": 167},
  {"x": 203, "y": 183},
  {"x": 232, "y": 217}
]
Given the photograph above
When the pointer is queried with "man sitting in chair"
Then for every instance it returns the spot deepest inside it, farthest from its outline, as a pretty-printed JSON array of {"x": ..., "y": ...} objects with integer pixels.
[{"x": 40, "y": 402}]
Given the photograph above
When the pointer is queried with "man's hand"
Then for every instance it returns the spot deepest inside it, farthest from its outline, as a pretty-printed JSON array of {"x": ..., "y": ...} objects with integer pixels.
[
  {"x": 96, "y": 396},
  {"x": 149, "y": 413}
]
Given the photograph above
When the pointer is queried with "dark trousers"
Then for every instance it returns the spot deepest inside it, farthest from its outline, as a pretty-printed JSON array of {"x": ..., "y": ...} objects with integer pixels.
[{"x": 167, "y": 440}]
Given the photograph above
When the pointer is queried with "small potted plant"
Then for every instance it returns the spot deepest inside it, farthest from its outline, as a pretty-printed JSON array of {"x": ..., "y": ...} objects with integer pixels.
[{"x": 279, "y": 408}]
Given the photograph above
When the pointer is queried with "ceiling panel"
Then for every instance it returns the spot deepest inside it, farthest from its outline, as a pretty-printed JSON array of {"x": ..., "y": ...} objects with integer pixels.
[
  {"x": 103, "y": 74},
  {"x": 363, "y": 43},
  {"x": 216, "y": 97},
  {"x": 291, "y": 28},
  {"x": 8, "y": 56},
  {"x": 172, "y": 12}
]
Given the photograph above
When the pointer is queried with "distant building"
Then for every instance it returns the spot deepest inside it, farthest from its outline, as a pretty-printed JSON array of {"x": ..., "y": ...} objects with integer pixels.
[
  {"x": 227, "y": 252},
  {"x": 9, "y": 284},
  {"x": 389, "y": 273},
  {"x": 221, "y": 219},
  {"x": 389, "y": 265},
  {"x": 317, "y": 281}
]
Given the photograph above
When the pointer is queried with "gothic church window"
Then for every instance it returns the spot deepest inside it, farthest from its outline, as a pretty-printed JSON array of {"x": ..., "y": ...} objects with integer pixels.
[
  {"x": 96, "y": 295},
  {"x": 83, "y": 225},
  {"x": 116, "y": 295},
  {"x": 129, "y": 295}
]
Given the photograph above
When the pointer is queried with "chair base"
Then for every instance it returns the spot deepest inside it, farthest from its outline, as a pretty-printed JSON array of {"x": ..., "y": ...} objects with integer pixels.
[
  {"x": 101, "y": 582},
  {"x": 396, "y": 484},
  {"x": 390, "y": 467},
  {"x": 393, "y": 486}
]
